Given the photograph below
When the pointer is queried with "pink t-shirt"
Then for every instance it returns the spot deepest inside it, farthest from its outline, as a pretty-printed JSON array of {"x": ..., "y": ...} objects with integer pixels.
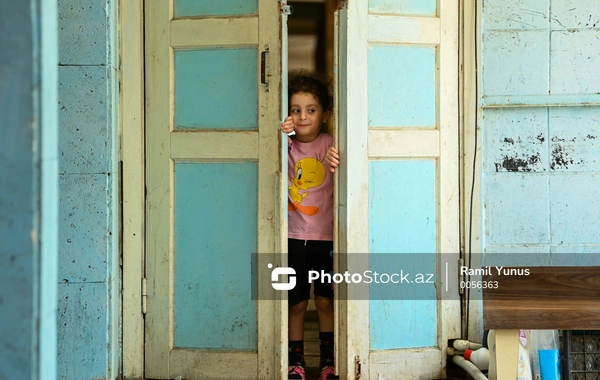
[{"x": 310, "y": 190}]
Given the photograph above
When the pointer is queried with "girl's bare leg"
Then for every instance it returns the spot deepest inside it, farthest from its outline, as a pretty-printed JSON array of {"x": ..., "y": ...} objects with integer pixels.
[{"x": 296, "y": 321}]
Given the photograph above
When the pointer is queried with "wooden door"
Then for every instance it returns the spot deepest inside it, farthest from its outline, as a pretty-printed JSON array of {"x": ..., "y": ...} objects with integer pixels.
[
  {"x": 398, "y": 195},
  {"x": 214, "y": 210}
]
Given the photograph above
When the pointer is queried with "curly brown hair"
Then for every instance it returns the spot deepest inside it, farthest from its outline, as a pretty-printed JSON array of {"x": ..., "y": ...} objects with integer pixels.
[{"x": 303, "y": 81}]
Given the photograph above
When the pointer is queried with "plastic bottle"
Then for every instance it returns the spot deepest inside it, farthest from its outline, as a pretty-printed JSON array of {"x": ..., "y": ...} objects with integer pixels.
[
  {"x": 479, "y": 357},
  {"x": 545, "y": 354},
  {"x": 524, "y": 363}
]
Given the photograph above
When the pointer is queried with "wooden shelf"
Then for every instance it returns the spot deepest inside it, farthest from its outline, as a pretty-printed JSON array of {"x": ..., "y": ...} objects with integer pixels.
[{"x": 565, "y": 298}]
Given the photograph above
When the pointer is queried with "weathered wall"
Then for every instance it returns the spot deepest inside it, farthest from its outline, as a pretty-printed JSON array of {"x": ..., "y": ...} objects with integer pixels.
[
  {"x": 88, "y": 284},
  {"x": 28, "y": 189},
  {"x": 541, "y": 160}
]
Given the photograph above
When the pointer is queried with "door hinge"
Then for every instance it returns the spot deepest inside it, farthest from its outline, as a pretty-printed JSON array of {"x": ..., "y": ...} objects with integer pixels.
[
  {"x": 287, "y": 10},
  {"x": 144, "y": 296},
  {"x": 357, "y": 367},
  {"x": 461, "y": 278},
  {"x": 263, "y": 67}
]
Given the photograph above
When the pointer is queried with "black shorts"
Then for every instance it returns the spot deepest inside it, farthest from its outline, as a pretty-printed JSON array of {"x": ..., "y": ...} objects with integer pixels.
[{"x": 305, "y": 255}]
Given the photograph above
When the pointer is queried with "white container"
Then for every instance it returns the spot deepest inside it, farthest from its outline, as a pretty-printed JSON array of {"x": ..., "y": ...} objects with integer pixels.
[
  {"x": 524, "y": 363},
  {"x": 480, "y": 357}
]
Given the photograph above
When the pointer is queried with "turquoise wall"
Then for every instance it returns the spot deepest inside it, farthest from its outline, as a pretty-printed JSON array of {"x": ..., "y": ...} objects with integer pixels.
[
  {"x": 28, "y": 189},
  {"x": 88, "y": 279},
  {"x": 541, "y": 164}
]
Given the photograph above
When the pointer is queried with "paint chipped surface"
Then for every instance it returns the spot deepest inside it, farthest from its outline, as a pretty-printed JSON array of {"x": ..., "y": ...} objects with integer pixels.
[
  {"x": 575, "y": 142},
  {"x": 515, "y": 164},
  {"x": 516, "y": 140},
  {"x": 552, "y": 183}
]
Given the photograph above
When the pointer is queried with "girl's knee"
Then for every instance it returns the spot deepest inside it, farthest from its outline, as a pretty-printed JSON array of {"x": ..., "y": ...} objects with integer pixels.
[
  {"x": 300, "y": 307},
  {"x": 324, "y": 305}
]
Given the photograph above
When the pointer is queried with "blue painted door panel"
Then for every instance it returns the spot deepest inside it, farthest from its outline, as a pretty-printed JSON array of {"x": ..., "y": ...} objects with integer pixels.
[
  {"x": 216, "y": 89},
  {"x": 402, "y": 224},
  {"x": 215, "y": 237},
  {"x": 402, "y": 86},
  {"x": 191, "y": 8},
  {"x": 407, "y": 7}
]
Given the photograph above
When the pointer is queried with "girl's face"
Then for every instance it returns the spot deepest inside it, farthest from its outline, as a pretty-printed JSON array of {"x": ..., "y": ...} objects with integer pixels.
[{"x": 308, "y": 115}]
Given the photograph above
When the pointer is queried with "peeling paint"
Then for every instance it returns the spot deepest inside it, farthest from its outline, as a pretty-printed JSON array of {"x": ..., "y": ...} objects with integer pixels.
[
  {"x": 515, "y": 164},
  {"x": 563, "y": 157},
  {"x": 559, "y": 139},
  {"x": 520, "y": 153},
  {"x": 575, "y": 150},
  {"x": 560, "y": 157}
]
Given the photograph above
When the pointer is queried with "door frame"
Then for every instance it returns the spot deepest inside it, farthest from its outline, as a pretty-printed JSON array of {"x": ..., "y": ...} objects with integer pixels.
[
  {"x": 132, "y": 152},
  {"x": 470, "y": 156}
]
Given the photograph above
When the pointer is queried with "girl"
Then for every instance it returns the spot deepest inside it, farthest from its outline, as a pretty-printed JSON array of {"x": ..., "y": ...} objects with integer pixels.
[{"x": 312, "y": 161}]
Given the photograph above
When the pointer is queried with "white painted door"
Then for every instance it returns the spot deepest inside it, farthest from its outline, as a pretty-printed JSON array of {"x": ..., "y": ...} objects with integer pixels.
[
  {"x": 399, "y": 186},
  {"x": 214, "y": 211}
]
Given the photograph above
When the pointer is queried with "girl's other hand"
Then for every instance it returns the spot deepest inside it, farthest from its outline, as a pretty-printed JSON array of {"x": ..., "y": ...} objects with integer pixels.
[
  {"x": 333, "y": 158},
  {"x": 288, "y": 125}
]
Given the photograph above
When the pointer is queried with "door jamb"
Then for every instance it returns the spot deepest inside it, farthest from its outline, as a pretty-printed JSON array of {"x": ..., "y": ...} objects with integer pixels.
[
  {"x": 132, "y": 151},
  {"x": 470, "y": 156}
]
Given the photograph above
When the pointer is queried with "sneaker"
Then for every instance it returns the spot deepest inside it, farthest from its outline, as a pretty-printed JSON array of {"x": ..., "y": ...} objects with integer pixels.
[
  {"x": 328, "y": 373},
  {"x": 296, "y": 372}
]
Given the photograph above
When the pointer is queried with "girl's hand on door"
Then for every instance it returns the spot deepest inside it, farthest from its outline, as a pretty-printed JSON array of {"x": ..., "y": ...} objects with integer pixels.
[
  {"x": 288, "y": 125},
  {"x": 333, "y": 158}
]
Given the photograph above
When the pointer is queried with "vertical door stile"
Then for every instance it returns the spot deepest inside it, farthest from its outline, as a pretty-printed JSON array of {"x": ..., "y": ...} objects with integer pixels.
[
  {"x": 271, "y": 198},
  {"x": 158, "y": 199},
  {"x": 131, "y": 112},
  {"x": 354, "y": 174},
  {"x": 336, "y": 185},
  {"x": 283, "y": 190},
  {"x": 449, "y": 308}
]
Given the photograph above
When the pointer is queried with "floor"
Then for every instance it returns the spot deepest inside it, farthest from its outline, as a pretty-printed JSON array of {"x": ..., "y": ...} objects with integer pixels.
[
  {"x": 311, "y": 345},
  {"x": 311, "y": 352}
]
